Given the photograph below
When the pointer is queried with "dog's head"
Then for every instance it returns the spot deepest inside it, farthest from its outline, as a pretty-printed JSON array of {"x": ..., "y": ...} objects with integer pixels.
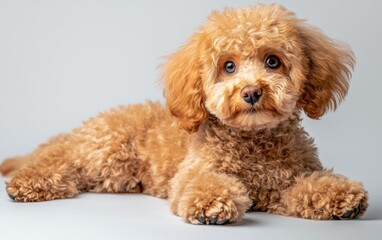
[{"x": 253, "y": 67}]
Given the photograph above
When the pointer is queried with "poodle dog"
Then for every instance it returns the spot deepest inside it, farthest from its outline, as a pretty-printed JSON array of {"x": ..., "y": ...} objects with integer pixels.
[{"x": 230, "y": 139}]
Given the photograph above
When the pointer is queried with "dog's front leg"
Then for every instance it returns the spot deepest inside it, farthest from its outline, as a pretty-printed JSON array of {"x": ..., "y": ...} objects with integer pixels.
[
  {"x": 202, "y": 196},
  {"x": 323, "y": 195}
]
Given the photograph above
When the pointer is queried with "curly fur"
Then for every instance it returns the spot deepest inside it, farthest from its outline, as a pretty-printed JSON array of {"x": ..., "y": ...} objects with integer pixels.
[{"x": 233, "y": 156}]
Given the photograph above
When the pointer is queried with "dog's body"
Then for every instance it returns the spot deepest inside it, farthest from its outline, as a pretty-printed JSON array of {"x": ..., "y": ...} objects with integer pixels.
[{"x": 238, "y": 88}]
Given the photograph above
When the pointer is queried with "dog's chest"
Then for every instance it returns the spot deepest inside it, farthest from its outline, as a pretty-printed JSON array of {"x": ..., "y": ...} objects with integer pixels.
[{"x": 268, "y": 161}]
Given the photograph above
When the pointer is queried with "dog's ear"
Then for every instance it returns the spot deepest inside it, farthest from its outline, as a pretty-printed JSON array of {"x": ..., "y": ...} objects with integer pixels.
[
  {"x": 329, "y": 71},
  {"x": 183, "y": 86}
]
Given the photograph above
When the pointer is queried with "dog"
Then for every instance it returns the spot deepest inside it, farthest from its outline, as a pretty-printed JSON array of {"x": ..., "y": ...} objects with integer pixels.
[{"x": 230, "y": 138}]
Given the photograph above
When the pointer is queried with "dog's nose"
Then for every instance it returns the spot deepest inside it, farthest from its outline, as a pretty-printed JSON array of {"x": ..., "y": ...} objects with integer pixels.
[{"x": 251, "y": 94}]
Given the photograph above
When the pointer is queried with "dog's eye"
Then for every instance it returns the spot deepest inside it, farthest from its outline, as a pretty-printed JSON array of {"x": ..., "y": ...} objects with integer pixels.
[
  {"x": 229, "y": 67},
  {"x": 272, "y": 62}
]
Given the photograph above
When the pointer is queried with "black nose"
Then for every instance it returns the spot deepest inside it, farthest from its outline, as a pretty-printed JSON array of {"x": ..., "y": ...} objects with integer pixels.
[{"x": 251, "y": 94}]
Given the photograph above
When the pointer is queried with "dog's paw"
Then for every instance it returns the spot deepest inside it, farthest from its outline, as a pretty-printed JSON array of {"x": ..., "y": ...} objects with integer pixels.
[
  {"x": 218, "y": 211},
  {"x": 213, "y": 208},
  {"x": 351, "y": 214},
  {"x": 348, "y": 206},
  {"x": 346, "y": 201},
  {"x": 23, "y": 188},
  {"x": 324, "y": 196},
  {"x": 210, "y": 198}
]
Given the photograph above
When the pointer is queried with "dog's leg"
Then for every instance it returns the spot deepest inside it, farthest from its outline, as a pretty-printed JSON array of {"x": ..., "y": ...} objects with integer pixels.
[
  {"x": 33, "y": 184},
  {"x": 207, "y": 197},
  {"x": 323, "y": 195},
  {"x": 49, "y": 173},
  {"x": 102, "y": 156},
  {"x": 62, "y": 170}
]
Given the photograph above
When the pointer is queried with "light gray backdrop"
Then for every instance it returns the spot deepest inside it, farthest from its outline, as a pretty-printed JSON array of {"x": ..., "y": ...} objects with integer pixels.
[{"x": 63, "y": 61}]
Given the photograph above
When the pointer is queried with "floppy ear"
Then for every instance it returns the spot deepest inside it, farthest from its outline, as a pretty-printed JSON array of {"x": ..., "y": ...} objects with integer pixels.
[
  {"x": 183, "y": 85},
  {"x": 329, "y": 71}
]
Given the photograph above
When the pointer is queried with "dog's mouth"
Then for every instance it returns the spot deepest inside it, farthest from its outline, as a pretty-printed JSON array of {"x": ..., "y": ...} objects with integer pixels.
[
  {"x": 252, "y": 110},
  {"x": 262, "y": 107},
  {"x": 262, "y": 114},
  {"x": 256, "y": 116}
]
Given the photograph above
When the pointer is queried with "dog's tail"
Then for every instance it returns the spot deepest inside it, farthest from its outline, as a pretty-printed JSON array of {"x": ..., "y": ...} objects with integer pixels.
[{"x": 10, "y": 166}]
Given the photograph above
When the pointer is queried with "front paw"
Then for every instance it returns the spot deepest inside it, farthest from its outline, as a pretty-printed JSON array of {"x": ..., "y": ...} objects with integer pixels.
[
  {"x": 324, "y": 196},
  {"x": 349, "y": 201},
  {"x": 212, "y": 202},
  {"x": 351, "y": 214},
  {"x": 217, "y": 211}
]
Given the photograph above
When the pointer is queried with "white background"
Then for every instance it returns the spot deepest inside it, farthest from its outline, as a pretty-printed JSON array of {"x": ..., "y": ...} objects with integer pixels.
[{"x": 63, "y": 61}]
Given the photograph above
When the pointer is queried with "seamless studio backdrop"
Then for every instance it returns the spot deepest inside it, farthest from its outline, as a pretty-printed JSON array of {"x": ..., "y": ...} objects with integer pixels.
[{"x": 62, "y": 62}]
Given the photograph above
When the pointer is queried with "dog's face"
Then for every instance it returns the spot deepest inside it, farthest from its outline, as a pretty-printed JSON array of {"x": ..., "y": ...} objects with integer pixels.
[
  {"x": 253, "y": 67},
  {"x": 256, "y": 78}
]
